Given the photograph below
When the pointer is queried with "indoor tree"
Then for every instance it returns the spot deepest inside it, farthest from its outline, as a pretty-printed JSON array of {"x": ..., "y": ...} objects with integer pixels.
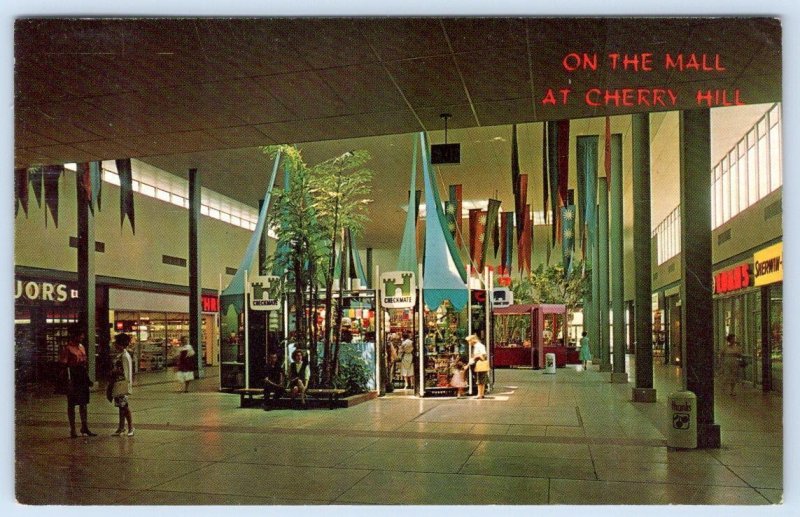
[{"x": 310, "y": 214}]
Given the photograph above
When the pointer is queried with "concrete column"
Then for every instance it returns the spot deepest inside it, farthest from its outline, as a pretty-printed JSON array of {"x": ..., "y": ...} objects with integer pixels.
[
  {"x": 594, "y": 334},
  {"x": 602, "y": 262},
  {"x": 86, "y": 277},
  {"x": 195, "y": 321},
  {"x": 643, "y": 323},
  {"x": 617, "y": 262},
  {"x": 697, "y": 317}
]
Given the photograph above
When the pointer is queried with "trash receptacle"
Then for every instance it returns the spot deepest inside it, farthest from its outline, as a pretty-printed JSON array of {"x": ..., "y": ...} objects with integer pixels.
[
  {"x": 682, "y": 420},
  {"x": 549, "y": 363}
]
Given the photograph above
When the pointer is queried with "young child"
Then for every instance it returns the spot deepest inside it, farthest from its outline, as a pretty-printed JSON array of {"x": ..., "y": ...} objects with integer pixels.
[{"x": 458, "y": 379}]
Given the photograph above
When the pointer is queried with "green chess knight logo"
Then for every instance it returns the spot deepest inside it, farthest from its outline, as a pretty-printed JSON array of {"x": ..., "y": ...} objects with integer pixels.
[{"x": 399, "y": 289}]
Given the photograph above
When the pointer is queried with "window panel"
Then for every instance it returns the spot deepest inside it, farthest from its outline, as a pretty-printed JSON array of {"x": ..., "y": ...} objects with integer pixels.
[
  {"x": 734, "y": 174},
  {"x": 775, "y": 169}
]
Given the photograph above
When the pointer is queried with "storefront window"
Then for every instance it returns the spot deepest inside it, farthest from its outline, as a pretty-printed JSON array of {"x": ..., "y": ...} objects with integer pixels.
[{"x": 776, "y": 335}]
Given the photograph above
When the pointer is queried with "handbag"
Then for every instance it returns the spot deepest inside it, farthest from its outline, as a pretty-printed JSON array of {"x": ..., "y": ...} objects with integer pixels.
[
  {"x": 482, "y": 365},
  {"x": 119, "y": 388}
]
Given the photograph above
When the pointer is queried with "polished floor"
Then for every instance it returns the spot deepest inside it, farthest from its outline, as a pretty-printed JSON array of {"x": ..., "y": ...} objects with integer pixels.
[{"x": 569, "y": 438}]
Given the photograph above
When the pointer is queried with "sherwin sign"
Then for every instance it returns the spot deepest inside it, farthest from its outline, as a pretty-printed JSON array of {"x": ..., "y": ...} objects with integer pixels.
[
  {"x": 768, "y": 265},
  {"x": 398, "y": 290}
]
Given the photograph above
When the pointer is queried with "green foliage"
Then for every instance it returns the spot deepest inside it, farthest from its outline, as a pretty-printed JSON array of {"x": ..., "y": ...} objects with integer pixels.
[
  {"x": 353, "y": 375},
  {"x": 550, "y": 285}
]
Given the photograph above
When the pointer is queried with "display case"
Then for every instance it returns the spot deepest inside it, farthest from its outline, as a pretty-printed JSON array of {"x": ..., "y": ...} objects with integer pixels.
[
  {"x": 444, "y": 331},
  {"x": 522, "y": 334}
]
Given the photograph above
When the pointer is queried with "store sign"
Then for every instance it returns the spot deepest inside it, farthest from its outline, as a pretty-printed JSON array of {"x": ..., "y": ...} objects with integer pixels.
[
  {"x": 732, "y": 279},
  {"x": 502, "y": 297},
  {"x": 264, "y": 293},
  {"x": 43, "y": 291},
  {"x": 398, "y": 289},
  {"x": 210, "y": 303},
  {"x": 768, "y": 265}
]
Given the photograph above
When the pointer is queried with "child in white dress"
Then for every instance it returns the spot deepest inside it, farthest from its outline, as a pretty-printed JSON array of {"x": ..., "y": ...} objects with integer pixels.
[{"x": 458, "y": 379}]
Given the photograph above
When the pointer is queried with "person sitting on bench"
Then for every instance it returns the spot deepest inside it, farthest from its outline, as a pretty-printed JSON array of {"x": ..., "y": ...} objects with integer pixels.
[
  {"x": 298, "y": 376},
  {"x": 274, "y": 382}
]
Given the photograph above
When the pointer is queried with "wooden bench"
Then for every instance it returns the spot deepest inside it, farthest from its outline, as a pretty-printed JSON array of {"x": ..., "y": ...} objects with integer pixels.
[
  {"x": 332, "y": 394},
  {"x": 248, "y": 395}
]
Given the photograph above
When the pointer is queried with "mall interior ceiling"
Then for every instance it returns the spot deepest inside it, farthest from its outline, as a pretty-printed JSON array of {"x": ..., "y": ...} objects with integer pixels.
[{"x": 206, "y": 93}]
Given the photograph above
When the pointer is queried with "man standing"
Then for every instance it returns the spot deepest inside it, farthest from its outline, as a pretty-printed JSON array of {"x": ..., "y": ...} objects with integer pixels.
[{"x": 274, "y": 382}]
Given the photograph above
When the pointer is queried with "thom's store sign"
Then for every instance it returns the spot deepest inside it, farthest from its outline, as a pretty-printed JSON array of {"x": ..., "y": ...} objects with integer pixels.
[
  {"x": 43, "y": 291},
  {"x": 732, "y": 279}
]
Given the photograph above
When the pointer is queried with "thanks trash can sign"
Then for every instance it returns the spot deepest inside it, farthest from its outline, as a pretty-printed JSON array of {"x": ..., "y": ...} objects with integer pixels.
[{"x": 264, "y": 293}]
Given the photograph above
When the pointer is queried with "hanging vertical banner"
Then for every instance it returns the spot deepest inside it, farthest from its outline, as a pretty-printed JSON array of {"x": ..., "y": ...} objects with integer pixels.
[
  {"x": 356, "y": 266},
  {"x": 568, "y": 238},
  {"x": 488, "y": 229},
  {"x": 35, "y": 176},
  {"x": 514, "y": 158},
  {"x": 96, "y": 172},
  {"x": 126, "y": 192},
  {"x": 496, "y": 238},
  {"x": 587, "y": 163},
  {"x": 407, "y": 260},
  {"x": 477, "y": 221},
  {"x": 562, "y": 128},
  {"x": 607, "y": 157},
  {"x": 524, "y": 246},
  {"x": 456, "y": 202},
  {"x": 52, "y": 173},
  {"x": 84, "y": 179},
  {"x": 507, "y": 235},
  {"x": 552, "y": 169},
  {"x": 521, "y": 201},
  {"x": 21, "y": 190}
]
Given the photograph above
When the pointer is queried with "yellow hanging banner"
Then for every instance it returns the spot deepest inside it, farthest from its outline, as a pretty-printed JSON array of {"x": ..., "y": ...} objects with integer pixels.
[{"x": 768, "y": 265}]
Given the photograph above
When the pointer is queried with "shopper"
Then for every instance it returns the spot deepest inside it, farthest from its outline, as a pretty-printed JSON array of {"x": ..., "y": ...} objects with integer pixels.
[
  {"x": 458, "y": 380},
  {"x": 122, "y": 377},
  {"x": 731, "y": 362},
  {"x": 392, "y": 345},
  {"x": 585, "y": 355},
  {"x": 76, "y": 381},
  {"x": 185, "y": 372},
  {"x": 480, "y": 362},
  {"x": 274, "y": 381},
  {"x": 407, "y": 361},
  {"x": 299, "y": 374}
]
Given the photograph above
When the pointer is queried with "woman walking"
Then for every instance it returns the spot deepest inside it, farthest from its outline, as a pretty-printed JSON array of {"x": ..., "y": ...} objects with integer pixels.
[
  {"x": 731, "y": 362},
  {"x": 585, "y": 355},
  {"x": 185, "y": 367},
  {"x": 73, "y": 358},
  {"x": 122, "y": 377}
]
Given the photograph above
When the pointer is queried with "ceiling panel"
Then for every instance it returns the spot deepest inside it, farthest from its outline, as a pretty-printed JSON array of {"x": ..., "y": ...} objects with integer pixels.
[
  {"x": 105, "y": 149},
  {"x": 404, "y": 38},
  {"x": 378, "y": 92},
  {"x": 468, "y": 34},
  {"x": 497, "y": 74},
  {"x": 429, "y": 82},
  {"x": 305, "y": 94}
]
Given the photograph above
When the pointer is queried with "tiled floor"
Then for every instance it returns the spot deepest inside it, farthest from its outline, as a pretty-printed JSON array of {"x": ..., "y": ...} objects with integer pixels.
[{"x": 569, "y": 438}]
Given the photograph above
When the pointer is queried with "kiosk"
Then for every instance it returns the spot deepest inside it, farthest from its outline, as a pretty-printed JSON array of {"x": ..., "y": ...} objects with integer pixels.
[{"x": 522, "y": 334}]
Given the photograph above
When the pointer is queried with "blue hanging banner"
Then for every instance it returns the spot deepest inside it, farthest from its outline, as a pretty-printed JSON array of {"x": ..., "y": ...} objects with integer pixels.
[
  {"x": 443, "y": 273},
  {"x": 236, "y": 287}
]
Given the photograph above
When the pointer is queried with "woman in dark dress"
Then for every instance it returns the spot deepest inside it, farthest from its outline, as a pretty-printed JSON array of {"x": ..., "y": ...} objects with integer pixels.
[{"x": 73, "y": 358}]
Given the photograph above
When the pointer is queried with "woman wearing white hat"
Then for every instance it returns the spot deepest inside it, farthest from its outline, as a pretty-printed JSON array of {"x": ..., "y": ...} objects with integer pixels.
[{"x": 479, "y": 358}]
